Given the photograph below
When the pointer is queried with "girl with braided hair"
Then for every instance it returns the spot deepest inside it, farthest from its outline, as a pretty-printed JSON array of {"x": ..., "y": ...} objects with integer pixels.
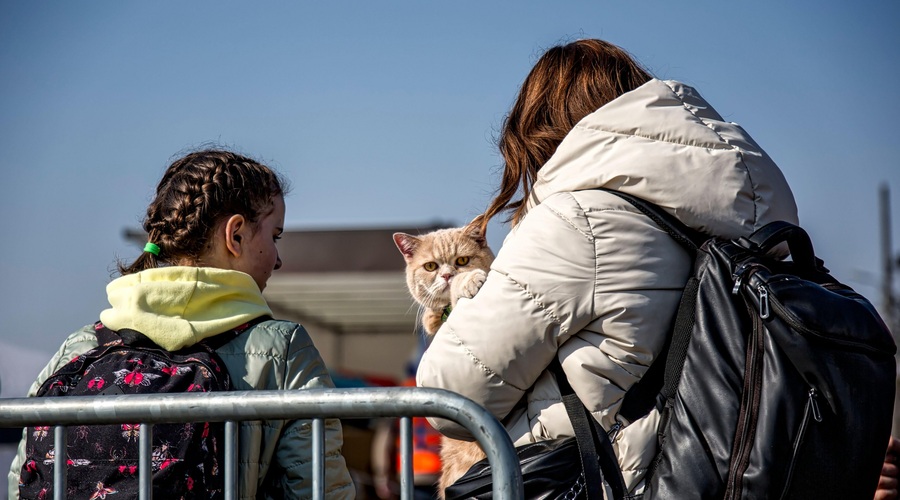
[{"x": 212, "y": 229}]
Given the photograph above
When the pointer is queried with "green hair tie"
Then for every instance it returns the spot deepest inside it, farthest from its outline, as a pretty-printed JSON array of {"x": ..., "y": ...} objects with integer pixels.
[{"x": 152, "y": 248}]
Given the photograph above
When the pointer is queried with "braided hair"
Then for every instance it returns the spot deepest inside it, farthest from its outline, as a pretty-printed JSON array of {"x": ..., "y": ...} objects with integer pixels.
[{"x": 197, "y": 192}]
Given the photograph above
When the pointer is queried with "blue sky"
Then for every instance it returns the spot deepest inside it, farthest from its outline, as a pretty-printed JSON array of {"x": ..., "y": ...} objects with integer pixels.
[{"x": 385, "y": 112}]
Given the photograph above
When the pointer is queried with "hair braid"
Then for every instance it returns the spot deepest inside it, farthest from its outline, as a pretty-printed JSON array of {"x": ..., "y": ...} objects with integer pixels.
[{"x": 197, "y": 192}]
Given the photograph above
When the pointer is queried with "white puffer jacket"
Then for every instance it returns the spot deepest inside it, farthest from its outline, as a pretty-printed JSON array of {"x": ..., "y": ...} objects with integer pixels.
[{"x": 586, "y": 277}]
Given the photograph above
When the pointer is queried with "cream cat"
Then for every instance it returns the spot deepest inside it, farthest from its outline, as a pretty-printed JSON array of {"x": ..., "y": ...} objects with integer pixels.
[{"x": 442, "y": 267}]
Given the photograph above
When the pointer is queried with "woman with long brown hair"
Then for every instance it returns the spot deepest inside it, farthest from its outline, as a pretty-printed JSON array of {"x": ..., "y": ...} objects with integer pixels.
[{"x": 583, "y": 276}]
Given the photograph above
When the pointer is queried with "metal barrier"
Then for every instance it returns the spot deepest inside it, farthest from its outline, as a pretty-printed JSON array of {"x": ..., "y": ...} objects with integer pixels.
[{"x": 233, "y": 407}]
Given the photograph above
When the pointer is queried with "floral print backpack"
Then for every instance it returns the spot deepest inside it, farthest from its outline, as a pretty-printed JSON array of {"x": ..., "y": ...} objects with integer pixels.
[{"x": 187, "y": 459}]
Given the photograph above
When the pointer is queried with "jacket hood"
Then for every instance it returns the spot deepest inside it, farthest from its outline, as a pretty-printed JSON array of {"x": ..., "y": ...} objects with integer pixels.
[
  {"x": 180, "y": 306},
  {"x": 666, "y": 144}
]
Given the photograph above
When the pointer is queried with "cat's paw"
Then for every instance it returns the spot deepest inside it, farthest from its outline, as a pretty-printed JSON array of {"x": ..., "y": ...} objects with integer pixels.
[
  {"x": 431, "y": 321},
  {"x": 466, "y": 285}
]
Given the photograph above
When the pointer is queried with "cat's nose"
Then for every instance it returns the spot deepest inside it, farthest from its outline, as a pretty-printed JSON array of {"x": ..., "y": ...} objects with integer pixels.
[{"x": 447, "y": 277}]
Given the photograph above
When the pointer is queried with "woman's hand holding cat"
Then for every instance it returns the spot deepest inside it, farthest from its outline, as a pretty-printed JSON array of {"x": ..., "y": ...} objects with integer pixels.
[{"x": 466, "y": 285}]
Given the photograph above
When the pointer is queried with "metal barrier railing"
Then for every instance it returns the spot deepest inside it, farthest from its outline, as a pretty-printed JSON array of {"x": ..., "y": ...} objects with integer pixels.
[{"x": 233, "y": 407}]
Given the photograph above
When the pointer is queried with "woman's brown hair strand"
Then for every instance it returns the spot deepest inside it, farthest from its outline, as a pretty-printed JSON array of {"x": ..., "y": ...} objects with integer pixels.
[{"x": 567, "y": 83}]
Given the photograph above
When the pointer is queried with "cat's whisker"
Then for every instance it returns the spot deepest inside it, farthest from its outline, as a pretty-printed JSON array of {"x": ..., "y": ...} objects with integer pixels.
[
  {"x": 424, "y": 292},
  {"x": 435, "y": 287},
  {"x": 430, "y": 296},
  {"x": 420, "y": 325}
]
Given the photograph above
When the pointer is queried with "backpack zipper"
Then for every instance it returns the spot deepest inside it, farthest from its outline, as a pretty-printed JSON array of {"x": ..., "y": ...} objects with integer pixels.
[
  {"x": 742, "y": 271},
  {"x": 788, "y": 317},
  {"x": 749, "y": 411},
  {"x": 814, "y": 405},
  {"x": 812, "y": 409},
  {"x": 763, "y": 302}
]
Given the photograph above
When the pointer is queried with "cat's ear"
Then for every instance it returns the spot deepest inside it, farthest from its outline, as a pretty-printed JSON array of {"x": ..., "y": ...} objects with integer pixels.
[
  {"x": 407, "y": 244},
  {"x": 474, "y": 231}
]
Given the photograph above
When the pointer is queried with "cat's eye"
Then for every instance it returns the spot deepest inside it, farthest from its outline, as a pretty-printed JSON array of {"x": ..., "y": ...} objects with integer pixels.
[
  {"x": 430, "y": 266},
  {"x": 461, "y": 261}
]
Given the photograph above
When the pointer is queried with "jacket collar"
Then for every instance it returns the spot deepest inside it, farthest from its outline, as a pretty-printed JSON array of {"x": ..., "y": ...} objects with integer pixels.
[{"x": 179, "y": 306}]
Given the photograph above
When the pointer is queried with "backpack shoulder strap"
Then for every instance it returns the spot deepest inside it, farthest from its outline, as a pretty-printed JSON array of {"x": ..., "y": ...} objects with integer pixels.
[
  {"x": 597, "y": 465},
  {"x": 221, "y": 339},
  {"x": 689, "y": 238},
  {"x": 661, "y": 378},
  {"x": 134, "y": 338},
  {"x": 105, "y": 335}
]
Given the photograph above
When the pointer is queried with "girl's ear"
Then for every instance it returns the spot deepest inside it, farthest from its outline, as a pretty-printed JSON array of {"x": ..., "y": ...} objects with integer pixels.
[{"x": 236, "y": 229}]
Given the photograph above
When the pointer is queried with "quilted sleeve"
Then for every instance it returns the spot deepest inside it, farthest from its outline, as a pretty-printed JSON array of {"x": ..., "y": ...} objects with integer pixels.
[
  {"x": 305, "y": 370},
  {"x": 539, "y": 291},
  {"x": 79, "y": 342}
]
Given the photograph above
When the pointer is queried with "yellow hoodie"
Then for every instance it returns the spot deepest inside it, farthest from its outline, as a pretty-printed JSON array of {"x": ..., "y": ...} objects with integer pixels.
[{"x": 180, "y": 306}]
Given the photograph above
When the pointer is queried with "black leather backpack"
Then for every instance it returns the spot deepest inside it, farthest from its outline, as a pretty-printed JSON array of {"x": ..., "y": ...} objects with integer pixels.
[{"x": 778, "y": 381}]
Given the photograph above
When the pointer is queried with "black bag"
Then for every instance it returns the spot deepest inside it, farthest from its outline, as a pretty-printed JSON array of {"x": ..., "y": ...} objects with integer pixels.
[
  {"x": 778, "y": 382},
  {"x": 564, "y": 468},
  {"x": 187, "y": 459}
]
